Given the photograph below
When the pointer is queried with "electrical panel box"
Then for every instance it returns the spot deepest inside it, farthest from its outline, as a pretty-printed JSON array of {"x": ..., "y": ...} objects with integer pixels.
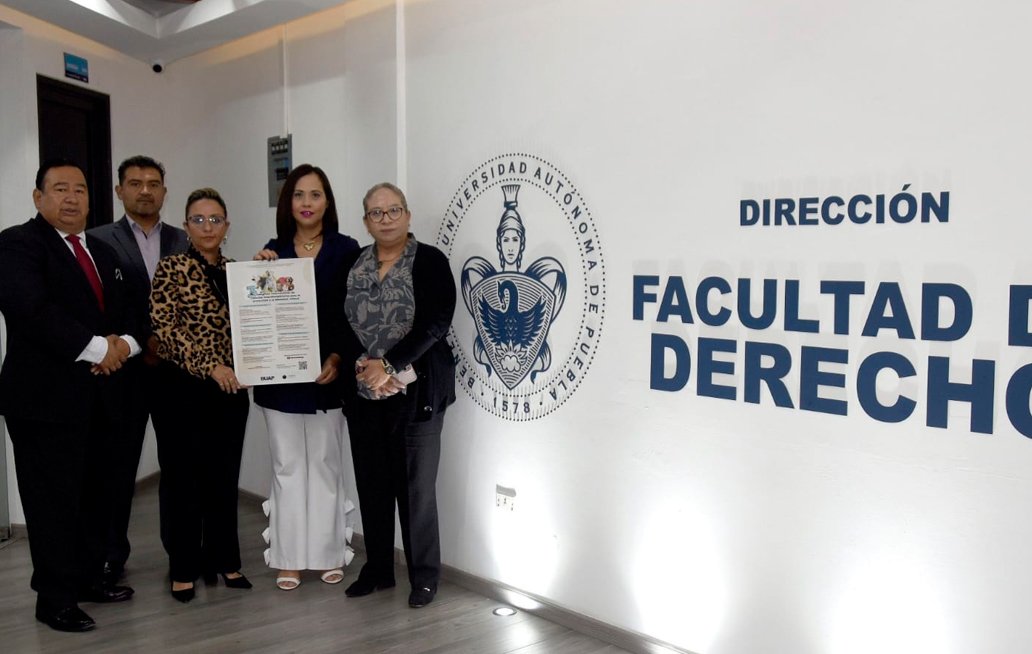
[{"x": 279, "y": 165}]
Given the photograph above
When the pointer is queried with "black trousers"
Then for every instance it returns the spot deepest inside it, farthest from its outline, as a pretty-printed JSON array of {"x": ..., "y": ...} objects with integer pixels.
[
  {"x": 396, "y": 460},
  {"x": 61, "y": 479},
  {"x": 124, "y": 457},
  {"x": 200, "y": 434}
]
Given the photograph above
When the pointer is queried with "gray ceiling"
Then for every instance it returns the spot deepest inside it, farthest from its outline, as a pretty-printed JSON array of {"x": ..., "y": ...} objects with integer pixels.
[
  {"x": 166, "y": 30},
  {"x": 160, "y": 7}
]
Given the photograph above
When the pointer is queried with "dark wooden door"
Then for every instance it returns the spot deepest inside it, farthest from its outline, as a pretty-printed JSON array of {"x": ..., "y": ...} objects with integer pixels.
[{"x": 75, "y": 123}]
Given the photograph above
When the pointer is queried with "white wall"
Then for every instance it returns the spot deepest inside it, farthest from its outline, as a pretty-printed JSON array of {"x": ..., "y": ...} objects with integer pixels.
[
  {"x": 719, "y": 526},
  {"x": 13, "y": 182},
  {"x": 722, "y": 526}
]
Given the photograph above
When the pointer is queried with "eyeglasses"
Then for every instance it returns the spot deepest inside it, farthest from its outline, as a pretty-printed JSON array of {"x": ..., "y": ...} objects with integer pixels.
[
  {"x": 215, "y": 220},
  {"x": 379, "y": 215}
]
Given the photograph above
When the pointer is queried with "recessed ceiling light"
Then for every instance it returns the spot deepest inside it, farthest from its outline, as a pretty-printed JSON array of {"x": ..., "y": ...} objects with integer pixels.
[{"x": 504, "y": 611}]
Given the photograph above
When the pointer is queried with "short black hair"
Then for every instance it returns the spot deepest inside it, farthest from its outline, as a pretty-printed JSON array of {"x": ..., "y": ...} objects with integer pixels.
[
  {"x": 55, "y": 162},
  {"x": 139, "y": 161},
  {"x": 286, "y": 226}
]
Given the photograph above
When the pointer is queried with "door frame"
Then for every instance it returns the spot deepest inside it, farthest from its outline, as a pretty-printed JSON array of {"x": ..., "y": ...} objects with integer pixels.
[{"x": 98, "y": 140}]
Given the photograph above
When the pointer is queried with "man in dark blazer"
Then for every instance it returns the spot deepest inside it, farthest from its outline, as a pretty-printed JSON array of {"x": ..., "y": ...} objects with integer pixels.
[
  {"x": 139, "y": 239},
  {"x": 69, "y": 331}
]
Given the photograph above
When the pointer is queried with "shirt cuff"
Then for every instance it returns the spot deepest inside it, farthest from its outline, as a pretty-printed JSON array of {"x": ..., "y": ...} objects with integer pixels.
[
  {"x": 95, "y": 350},
  {"x": 134, "y": 347}
]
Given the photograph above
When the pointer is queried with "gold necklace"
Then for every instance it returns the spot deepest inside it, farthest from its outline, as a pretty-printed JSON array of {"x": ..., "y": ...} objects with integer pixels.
[{"x": 310, "y": 245}]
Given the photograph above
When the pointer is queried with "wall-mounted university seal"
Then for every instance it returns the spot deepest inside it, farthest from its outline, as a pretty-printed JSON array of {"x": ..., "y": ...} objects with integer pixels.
[{"x": 522, "y": 346}]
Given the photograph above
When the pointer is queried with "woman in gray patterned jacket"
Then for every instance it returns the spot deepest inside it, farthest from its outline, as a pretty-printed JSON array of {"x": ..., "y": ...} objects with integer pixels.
[{"x": 399, "y": 306}]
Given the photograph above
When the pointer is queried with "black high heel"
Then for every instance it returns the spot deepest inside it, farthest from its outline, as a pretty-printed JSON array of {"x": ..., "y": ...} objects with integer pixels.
[
  {"x": 183, "y": 595},
  {"x": 235, "y": 582}
]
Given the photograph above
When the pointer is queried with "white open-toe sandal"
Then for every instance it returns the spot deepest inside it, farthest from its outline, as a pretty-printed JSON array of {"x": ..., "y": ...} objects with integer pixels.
[{"x": 288, "y": 583}]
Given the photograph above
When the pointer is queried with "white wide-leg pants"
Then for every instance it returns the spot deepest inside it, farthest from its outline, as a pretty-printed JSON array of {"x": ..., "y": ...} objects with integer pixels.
[{"x": 308, "y": 507}]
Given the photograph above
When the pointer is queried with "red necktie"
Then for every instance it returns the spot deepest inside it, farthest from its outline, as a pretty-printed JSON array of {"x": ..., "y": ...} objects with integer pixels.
[{"x": 88, "y": 268}]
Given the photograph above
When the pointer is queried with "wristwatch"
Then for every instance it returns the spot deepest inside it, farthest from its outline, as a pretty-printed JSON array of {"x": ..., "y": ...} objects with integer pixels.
[{"x": 387, "y": 367}]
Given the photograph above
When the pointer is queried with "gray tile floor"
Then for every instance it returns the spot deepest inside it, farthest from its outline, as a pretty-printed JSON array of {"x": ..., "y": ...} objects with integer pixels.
[{"x": 314, "y": 618}]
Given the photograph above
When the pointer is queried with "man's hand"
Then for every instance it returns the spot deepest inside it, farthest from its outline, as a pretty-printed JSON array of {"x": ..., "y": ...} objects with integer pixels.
[{"x": 117, "y": 354}]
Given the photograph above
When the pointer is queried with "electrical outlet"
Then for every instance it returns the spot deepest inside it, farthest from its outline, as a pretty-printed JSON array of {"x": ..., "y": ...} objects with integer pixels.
[{"x": 505, "y": 498}]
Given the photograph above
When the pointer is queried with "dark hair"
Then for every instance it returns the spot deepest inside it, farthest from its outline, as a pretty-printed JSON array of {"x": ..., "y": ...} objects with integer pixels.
[
  {"x": 205, "y": 194},
  {"x": 286, "y": 226},
  {"x": 377, "y": 187},
  {"x": 139, "y": 161},
  {"x": 55, "y": 162}
]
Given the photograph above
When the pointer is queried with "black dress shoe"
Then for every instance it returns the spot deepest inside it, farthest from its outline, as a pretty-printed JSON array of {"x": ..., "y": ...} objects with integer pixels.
[
  {"x": 420, "y": 597},
  {"x": 235, "y": 582},
  {"x": 113, "y": 573},
  {"x": 184, "y": 595},
  {"x": 364, "y": 586},
  {"x": 105, "y": 594},
  {"x": 69, "y": 618}
]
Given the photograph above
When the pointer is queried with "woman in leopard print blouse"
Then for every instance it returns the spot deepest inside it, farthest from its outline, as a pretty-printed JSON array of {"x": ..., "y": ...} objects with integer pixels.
[{"x": 202, "y": 412}]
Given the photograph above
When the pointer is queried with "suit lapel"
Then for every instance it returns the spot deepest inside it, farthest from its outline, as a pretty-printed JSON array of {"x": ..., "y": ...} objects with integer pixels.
[
  {"x": 110, "y": 273},
  {"x": 173, "y": 241},
  {"x": 62, "y": 254},
  {"x": 127, "y": 241}
]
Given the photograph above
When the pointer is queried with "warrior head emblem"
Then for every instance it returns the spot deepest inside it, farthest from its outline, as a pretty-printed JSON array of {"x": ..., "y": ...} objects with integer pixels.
[
  {"x": 513, "y": 309},
  {"x": 512, "y": 236}
]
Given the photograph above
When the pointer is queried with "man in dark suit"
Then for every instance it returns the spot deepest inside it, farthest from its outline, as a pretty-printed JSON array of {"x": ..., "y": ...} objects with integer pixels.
[
  {"x": 68, "y": 333},
  {"x": 139, "y": 239}
]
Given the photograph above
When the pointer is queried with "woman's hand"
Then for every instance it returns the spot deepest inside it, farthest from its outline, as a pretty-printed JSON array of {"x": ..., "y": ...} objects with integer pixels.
[
  {"x": 266, "y": 255},
  {"x": 390, "y": 388},
  {"x": 150, "y": 351},
  {"x": 330, "y": 368},
  {"x": 372, "y": 374},
  {"x": 226, "y": 379}
]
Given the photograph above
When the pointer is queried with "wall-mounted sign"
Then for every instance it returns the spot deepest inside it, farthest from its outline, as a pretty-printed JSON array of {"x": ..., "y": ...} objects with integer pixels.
[
  {"x": 76, "y": 68},
  {"x": 278, "y": 164},
  {"x": 533, "y": 284}
]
